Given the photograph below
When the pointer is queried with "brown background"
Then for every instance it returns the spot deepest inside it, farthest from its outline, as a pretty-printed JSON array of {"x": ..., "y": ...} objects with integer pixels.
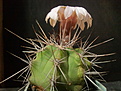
[{"x": 1, "y": 42}]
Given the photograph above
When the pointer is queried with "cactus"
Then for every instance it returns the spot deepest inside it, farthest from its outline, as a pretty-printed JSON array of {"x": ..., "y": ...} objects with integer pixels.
[
  {"x": 57, "y": 65},
  {"x": 60, "y": 65}
]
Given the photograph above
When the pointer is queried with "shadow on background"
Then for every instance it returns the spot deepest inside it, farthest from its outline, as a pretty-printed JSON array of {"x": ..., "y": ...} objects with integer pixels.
[{"x": 20, "y": 15}]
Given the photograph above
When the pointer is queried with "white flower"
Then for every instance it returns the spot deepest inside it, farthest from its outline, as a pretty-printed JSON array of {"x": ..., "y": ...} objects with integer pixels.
[{"x": 71, "y": 16}]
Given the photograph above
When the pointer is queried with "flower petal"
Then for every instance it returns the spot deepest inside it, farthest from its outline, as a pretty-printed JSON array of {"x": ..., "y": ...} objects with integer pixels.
[
  {"x": 52, "y": 22},
  {"x": 68, "y": 11},
  {"x": 88, "y": 20},
  {"x": 83, "y": 16},
  {"x": 81, "y": 12},
  {"x": 81, "y": 24},
  {"x": 53, "y": 14},
  {"x": 47, "y": 17}
]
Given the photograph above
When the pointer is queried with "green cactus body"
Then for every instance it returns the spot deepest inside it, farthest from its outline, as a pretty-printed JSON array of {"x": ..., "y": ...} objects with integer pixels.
[{"x": 53, "y": 65}]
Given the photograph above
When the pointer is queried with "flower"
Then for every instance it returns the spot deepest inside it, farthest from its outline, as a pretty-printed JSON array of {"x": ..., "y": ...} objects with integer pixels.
[{"x": 69, "y": 17}]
